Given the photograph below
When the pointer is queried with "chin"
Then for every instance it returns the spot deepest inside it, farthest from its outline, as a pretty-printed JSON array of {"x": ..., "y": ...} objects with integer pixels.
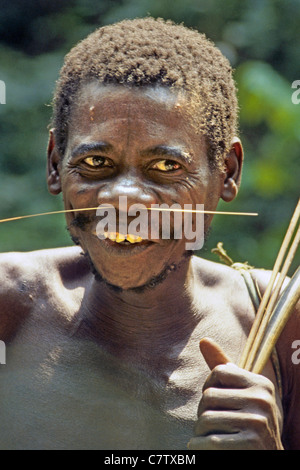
[{"x": 150, "y": 284}]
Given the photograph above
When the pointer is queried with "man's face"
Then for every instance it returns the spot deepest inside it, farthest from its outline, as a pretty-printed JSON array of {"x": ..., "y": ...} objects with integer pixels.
[{"x": 138, "y": 143}]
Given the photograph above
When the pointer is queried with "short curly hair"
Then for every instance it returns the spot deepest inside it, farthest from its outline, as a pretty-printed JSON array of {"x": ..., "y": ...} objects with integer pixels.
[{"x": 146, "y": 52}]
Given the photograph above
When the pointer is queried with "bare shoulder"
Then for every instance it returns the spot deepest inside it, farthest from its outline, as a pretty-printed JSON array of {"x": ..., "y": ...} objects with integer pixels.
[
  {"x": 37, "y": 266},
  {"x": 26, "y": 277},
  {"x": 226, "y": 289},
  {"x": 216, "y": 275}
]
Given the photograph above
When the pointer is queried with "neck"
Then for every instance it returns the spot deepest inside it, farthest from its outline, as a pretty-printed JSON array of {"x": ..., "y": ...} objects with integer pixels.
[{"x": 137, "y": 321}]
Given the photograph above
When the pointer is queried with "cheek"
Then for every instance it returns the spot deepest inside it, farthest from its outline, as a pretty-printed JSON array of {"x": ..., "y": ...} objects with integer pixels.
[
  {"x": 195, "y": 189},
  {"x": 205, "y": 192},
  {"x": 75, "y": 192}
]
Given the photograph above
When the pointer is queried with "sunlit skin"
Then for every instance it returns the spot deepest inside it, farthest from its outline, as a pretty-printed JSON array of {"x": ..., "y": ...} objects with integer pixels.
[
  {"x": 115, "y": 364},
  {"x": 136, "y": 160}
]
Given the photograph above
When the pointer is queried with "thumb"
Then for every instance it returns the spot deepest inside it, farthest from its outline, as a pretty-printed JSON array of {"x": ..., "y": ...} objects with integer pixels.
[{"x": 212, "y": 353}]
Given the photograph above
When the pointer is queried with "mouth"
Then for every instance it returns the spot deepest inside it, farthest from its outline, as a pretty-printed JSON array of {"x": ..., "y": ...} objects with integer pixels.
[
  {"x": 123, "y": 244},
  {"x": 122, "y": 239}
]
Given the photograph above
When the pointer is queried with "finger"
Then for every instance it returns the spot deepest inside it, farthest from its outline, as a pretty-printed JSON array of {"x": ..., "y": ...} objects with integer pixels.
[
  {"x": 231, "y": 376},
  {"x": 221, "y": 422},
  {"x": 228, "y": 376},
  {"x": 221, "y": 442},
  {"x": 223, "y": 399},
  {"x": 212, "y": 353}
]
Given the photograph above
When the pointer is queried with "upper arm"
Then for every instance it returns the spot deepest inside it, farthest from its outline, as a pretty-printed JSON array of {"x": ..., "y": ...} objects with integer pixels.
[{"x": 15, "y": 302}]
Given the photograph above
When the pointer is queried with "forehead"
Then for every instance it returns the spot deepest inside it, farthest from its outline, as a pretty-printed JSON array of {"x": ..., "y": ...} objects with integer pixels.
[
  {"x": 157, "y": 93},
  {"x": 152, "y": 113}
]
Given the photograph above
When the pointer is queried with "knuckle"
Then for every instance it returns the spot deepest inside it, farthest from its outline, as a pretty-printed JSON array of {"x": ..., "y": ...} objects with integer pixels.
[
  {"x": 215, "y": 439},
  {"x": 194, "y": 444},
  {"x": 260, "y": 422},
  {"x": 203, "y": 423},
  {"x": 267, "y": 385},
  {"x": 265, "y": 397},
  {"x": 207, "y": 416},
  {"x": 204, "y": 420},
  {"x": 220, "y": 369},
  {"x": 270, "y": 387},
  {"x": 208, "y": 395},
  {"x": 265, "y": 403},
  {"x": 218, "y": 372}
]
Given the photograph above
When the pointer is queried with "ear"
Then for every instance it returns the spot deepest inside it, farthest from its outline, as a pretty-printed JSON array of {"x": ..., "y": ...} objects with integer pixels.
[
  {"x": 233, "y": 171},
  {"x": 53, "y": 166}
]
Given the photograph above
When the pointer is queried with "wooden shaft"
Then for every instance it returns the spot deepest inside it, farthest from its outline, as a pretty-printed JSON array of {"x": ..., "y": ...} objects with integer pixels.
[
  {"x": 266, "y": 296},
  {"x": 281, "y": 314},
  {"x": 272, "y": 302}
]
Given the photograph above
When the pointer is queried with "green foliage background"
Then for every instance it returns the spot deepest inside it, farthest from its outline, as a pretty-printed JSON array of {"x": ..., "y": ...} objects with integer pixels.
[{"x": 261, "y": 40}]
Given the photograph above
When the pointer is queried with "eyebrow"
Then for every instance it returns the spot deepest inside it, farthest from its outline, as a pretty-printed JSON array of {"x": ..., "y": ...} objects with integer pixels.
[
  {"x": 169, "y": 151},
  {"x": 159, "y": 150},
  {"x": 82, "y": 149}
]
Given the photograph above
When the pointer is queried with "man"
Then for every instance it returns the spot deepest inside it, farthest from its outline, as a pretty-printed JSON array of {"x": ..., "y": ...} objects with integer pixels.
[{"x": 103, "y": 338}]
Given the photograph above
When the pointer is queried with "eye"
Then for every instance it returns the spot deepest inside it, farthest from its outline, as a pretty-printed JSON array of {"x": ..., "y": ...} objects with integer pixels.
[
  {"x": 166, "y": 165},
  {"x": 97, "y": 161}
]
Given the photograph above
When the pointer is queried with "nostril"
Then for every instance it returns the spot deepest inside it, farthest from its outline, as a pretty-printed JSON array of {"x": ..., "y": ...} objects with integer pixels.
[
  {"x": 129, "y": 184},
  {"x": 125, "y": 198}
]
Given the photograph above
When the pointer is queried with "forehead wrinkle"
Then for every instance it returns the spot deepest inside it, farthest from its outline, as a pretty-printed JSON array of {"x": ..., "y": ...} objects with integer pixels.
[{"x": 135, "y": 125}]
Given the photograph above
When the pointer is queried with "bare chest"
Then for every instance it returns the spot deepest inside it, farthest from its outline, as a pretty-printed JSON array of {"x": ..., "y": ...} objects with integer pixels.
[
  {"x": 69, "y": 395},
  {"x": 61, "y": 392}
]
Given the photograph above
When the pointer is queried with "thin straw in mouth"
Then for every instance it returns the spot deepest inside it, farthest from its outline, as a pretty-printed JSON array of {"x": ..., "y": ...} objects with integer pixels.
[{"x": 11, "y": 219}]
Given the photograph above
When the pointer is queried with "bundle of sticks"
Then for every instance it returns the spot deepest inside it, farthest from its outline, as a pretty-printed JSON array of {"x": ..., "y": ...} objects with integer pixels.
[{"x": 275, "y": 307}]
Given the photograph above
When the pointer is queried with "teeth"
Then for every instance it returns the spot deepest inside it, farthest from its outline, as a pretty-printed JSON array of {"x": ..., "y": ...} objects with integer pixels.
[
  {"x": 133, "y": 238},
  {"x": 119, "y": 237}
]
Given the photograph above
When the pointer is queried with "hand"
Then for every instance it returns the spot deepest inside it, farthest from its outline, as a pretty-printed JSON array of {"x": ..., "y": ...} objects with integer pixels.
[{"x": 237, "y": 410}]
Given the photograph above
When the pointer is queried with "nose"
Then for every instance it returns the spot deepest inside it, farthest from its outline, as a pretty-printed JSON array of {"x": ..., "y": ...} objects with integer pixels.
[{"x": 129, "y": 185}]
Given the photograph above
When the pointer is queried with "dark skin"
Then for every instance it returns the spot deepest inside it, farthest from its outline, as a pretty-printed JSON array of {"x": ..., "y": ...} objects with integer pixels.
[{"x": 123, "y": 363}]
